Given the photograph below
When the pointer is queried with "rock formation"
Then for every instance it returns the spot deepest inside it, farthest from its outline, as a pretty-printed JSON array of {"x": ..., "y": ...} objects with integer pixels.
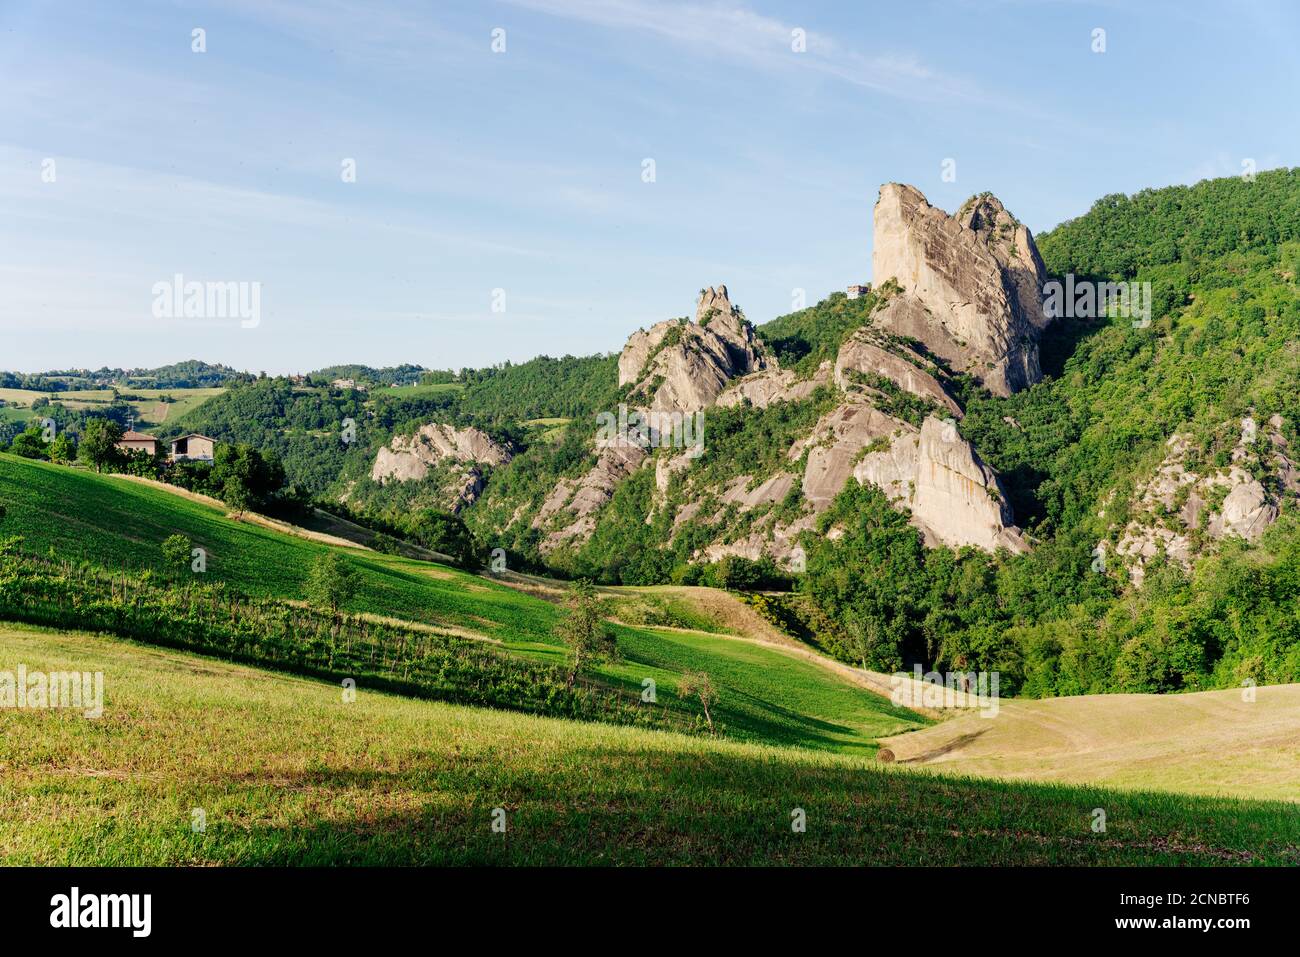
[
  {"x": 955, "y": 499},
  {"x": 573, "y": 503},
  {"x": 834, "y": 446},
  {"x": 408, "y": 458},
  {"x": 971, "y": 285},
  {"x": 682, "y": 366},
  {"x": 865, "y": 355},
  {"x": 1166, "y": 512},
  {"x": 969, "y": 302},
  {"x": 453, "y": 454},
  {"x": 773, "y": 384}
]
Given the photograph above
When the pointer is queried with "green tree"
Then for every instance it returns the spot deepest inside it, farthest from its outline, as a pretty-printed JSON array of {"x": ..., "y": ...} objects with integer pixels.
[
  {"x": 584, "y": 630},
  {"x": 99, "y": 441},
  {"x": 63, "y": 449},
  {"x": 698, "y": 684},
  {"x": 444, "y": 532},
  {"x": 332, "y": 582},
  {"x": 176, "y": 551},
  {"x": 30, "y": 444},
  {"x": 246, "y": 478}
]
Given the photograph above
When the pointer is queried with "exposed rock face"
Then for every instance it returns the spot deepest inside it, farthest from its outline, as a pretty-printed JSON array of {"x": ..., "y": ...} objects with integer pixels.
[
  {"x": 683, "y": 366},
  {"x": 1179, "y": 499},
  {"x": 834, "y": 444},
  {"x": 903, "y": 367},
  {"x": 408, "y": 458},
  {"x": 770, "y": 491},
  {"x": 411, "y": 458},
  {"x": 781, "y": 543},
  {"x": 972, "y": 285},
  {"x": 579, "y": 499},
  {"x": 1246, "y": 512},
  {"x": 955, "y": 499},
  {"x": 969, "y": 303},
  {"x": 773, "y": 384}
]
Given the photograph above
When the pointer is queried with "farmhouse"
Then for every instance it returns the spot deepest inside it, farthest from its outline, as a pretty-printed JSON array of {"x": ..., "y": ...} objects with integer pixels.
[
  {"x": 138, "y": 442},
  {"x": 193, "y": 448}
]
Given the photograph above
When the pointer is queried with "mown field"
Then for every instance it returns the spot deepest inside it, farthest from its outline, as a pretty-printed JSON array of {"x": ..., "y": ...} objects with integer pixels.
[
  {"x": 285, "y": 772},
  {"x": 1210, "y": 742},
  {"x": 112, "y": 522},
  {"x": 149, "y": 410}
]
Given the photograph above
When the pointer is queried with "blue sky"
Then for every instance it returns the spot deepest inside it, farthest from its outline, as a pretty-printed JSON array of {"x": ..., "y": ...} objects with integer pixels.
[{"x": 522, "y": 170}]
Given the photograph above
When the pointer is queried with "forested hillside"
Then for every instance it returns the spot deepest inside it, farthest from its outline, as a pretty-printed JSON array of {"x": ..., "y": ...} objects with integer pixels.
[{"x": 1222, "y": 260}]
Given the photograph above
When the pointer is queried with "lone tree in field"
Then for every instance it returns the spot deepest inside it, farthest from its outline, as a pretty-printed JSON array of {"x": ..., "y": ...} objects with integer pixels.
[
  {"x": 697, "y": 684},
  {"x": 99, "y": 443},
  {"x": 331, "y": 582},
  {"x": 584, "y": 631},
  {"x": 176, "y": 551}
]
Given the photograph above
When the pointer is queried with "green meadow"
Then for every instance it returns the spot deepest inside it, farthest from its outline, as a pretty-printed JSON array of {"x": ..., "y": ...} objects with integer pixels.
[
  {"x": 280, "y": 770},
  {"x": 109, "y": 521}
]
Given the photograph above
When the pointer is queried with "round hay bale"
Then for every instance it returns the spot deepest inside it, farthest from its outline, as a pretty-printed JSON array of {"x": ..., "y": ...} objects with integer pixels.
[{"x": 885, "y": 755}]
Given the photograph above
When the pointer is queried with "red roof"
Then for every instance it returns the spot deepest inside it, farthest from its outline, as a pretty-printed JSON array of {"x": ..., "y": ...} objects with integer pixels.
[{"x": 137, "y": 437}]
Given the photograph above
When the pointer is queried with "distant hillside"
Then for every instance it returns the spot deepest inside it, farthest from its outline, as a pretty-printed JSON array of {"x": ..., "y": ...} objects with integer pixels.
[
  {"x": 191, "y": 374},
  {"x": 1122, "y": 235},
  {"x": 367, "y": 376}
]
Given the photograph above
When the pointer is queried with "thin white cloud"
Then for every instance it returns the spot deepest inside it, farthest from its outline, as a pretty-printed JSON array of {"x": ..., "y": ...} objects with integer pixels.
[{"x": 735, "y": 31}]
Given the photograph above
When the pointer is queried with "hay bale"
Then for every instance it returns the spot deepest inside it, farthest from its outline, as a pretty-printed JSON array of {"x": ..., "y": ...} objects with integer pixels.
[{"x": 885, "y": 755}]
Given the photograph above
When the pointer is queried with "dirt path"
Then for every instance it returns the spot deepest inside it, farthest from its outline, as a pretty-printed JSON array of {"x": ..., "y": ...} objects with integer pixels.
[{"x": 251, "y": 518}]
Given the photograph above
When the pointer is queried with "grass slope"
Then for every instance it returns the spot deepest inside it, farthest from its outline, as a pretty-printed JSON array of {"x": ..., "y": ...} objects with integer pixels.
[
  {"x": 149, "y": 411},
  {"x": 287, "y": 773},
  {"x": 112, "y": 522},
  {"x": 1211, "y": 742}
]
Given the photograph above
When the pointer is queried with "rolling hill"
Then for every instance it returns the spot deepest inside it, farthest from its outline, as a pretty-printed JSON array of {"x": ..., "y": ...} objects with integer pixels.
[
  {"x": 281, "y": 771},
  {"x": 113, "y": 522},
  {"x": 1211, "y": 742}
]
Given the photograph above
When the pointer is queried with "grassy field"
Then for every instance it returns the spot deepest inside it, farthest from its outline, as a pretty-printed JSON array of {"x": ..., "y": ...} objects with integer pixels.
[
  {"x": 150, "y": 412},
  {"x": 411, "y": 391},
  {"x": 1212, "y": 742},
  {"x": 286, "y": 772},
  {"x": 112, "y": 522}
]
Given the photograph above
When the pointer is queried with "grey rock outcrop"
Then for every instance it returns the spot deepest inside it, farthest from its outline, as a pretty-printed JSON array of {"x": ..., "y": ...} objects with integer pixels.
[
  {"x": 773, "y": 384},
  {"x": 835, "y": 444},
  {"x": 573, "y": 503},
  {"x": 408, "y": 458},
  {"x": 972, "y": 285},
  {"x": 683, "y": 366},
  {"x": 411, "y": 458},
  {"x": 904, "y": 368},
  {"x": 1179, "y": 498},
  {"x": 955, "y": 499}
]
